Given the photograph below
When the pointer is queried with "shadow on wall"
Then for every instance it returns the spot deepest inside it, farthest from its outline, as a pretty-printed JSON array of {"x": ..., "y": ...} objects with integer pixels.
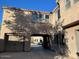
[
  {"x": 13, "y": 46},
  {"x": 1, "y": 45},
  {"x": 60, "y": 45}
]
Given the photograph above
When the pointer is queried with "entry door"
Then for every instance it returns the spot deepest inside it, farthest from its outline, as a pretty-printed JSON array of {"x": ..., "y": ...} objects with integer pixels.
[{"x": 77, "y": 40}]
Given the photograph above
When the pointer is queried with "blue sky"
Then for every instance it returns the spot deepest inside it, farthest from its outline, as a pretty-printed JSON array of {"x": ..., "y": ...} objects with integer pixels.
[{"x": 41, "y": 5}]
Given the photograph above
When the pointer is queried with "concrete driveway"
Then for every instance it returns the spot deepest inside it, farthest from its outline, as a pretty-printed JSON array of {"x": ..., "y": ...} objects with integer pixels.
[{"x": 37, "y": 52}]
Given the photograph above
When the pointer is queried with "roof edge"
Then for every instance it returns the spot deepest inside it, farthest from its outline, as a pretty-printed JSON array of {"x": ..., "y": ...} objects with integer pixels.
[{"x": 7, "y": 7}]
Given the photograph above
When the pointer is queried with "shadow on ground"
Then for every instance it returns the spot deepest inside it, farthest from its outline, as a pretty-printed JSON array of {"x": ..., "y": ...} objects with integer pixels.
[{"x": 37, "y": 52}]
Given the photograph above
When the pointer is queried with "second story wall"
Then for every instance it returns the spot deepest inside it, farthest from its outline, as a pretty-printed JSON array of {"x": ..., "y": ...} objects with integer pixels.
[
  {"x": 69, "y": 11},
  {"x": 54, "y": 16},
  {"x": 11, "y": 16}
]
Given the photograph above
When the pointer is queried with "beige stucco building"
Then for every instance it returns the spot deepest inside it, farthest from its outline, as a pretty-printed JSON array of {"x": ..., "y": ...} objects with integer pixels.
[
  {"x": 69, "y": 17},
  {"x": 9, "y": 15},
  {"x": 53, "y": 16}
]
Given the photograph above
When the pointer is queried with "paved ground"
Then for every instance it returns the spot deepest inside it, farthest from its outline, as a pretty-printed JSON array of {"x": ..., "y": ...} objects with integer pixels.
[{"x": 37, "y": 53}]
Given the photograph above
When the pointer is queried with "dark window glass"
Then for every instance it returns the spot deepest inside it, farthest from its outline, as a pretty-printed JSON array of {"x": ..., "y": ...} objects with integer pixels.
[
  {"x": 47, "y": 16},
  {"x": 59, "y": 14},
  {"x": 75, "y": 1},
  {"x": 67, "y": 4},
  {"x": 35, "y": 16},
  {"x": 40, "y": 15}
]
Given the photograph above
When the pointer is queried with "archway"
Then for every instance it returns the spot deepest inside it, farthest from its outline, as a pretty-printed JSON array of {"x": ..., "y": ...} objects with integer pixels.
[{"x": 45, "y": 40}]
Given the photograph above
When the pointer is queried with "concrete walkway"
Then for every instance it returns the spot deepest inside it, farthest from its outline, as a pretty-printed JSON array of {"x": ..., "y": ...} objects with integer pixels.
[{"x": 37, "y": 53}]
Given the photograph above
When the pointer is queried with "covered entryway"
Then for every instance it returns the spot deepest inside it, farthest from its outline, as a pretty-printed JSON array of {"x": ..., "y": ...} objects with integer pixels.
[
  {"x": 45, "y": 40},
  {"x": 14, "y": 42}
]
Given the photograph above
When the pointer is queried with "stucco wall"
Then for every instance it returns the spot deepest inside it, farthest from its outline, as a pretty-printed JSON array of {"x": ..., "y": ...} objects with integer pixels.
[
  {"x": 53, "y": 17},
  {"x": 14, "y": 44},
  {"x": 7, "y": 15},
  {"x": 4, "y": 29},
  {"x": 71, "y": 14},
  {"x": 71, "y": 41},
  {"x": 68, "y": 16}
]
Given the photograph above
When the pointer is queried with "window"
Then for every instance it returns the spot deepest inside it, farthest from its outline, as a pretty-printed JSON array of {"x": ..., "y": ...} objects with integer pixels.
[
  {"x": 67, "y": 4},
  {"x": 34, "y": 16},
  {"x": 75, "y": 1},
  {"x": 40, "y": 15},
  {"x": 47, "y": 16},
  {"x": 58, "y": 15}
]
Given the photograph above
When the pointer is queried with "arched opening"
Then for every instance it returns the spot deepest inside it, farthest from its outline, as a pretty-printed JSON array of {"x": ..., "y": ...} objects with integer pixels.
[{"x": 41, "y": 40}]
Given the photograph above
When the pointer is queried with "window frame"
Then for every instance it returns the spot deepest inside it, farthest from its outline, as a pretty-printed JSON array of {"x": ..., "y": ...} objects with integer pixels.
[
  {"x": 46, "y": 16},
  {"x": 67, "y": 4},
  {"x": 75, "y": 1}
]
